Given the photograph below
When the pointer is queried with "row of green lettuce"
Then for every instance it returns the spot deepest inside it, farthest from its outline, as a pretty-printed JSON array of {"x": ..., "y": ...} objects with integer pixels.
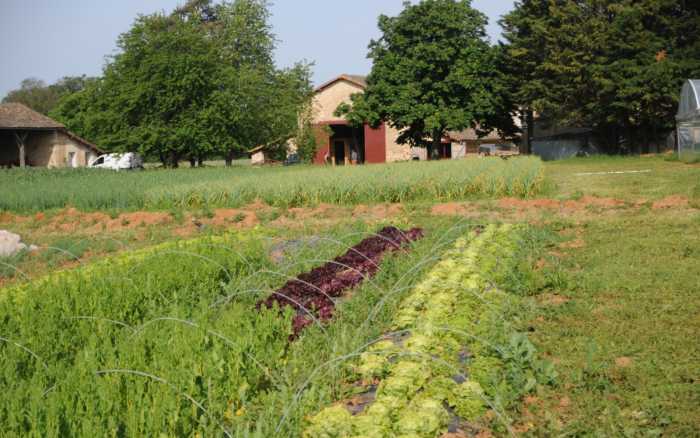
[{"x": 454, "y": 352}]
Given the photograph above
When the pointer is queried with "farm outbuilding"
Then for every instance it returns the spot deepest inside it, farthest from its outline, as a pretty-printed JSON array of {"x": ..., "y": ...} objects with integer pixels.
[
  {"x": 341, "y": 143},
  {"x": 688, "y": 120},
  {"x": 28, "y": 138}
]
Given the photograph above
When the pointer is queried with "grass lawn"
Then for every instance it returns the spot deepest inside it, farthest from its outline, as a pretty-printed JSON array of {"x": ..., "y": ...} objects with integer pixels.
[
  {"x": 622, "y": 322},
  {"x": 621, "y": 314},
  {"x": 658, "y": 178},
  {"x": 616, "y": 306}
]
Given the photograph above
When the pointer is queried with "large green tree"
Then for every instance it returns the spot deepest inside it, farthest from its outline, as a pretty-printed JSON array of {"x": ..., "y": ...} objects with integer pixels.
[
  {"x": 614, "y": 66},
  {"x": 433, "y": 71},
  {"x": 196, "y": 83}
]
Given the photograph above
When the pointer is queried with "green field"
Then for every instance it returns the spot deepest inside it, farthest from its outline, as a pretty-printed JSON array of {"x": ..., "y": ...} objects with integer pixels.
[
  {"x": 579, "y": 320},
  {"x": 88, "y": 189}
]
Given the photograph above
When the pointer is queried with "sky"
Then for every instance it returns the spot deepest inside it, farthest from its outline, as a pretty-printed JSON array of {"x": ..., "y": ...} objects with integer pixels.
[{"x": 49, "y": 39}]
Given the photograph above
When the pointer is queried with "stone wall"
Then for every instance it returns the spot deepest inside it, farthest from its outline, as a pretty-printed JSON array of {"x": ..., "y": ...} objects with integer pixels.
[
  {"x": 327, "y": 100},
  {"x": 57, "y": 149},
  {"x": 394, "y": 150}
]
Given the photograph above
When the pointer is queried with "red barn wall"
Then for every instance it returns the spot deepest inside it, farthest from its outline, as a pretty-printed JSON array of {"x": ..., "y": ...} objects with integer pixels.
[{"x": 375, "y": 144}]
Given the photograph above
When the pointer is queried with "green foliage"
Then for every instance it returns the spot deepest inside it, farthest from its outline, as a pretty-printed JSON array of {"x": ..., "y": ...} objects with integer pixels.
[
  {"x": 614, "y": 66},
  {"x": 104, "y": 317},
  {"x": 35, "y": 94},
  {"x": 192, "y": 84},
  {"x": 455, "y": 312},
  {"x": 433, "y": 71},
  {"x": 36, "y": 189},
  {"x": 306, "y": 139},
  {"x": 97, "y": 328}
]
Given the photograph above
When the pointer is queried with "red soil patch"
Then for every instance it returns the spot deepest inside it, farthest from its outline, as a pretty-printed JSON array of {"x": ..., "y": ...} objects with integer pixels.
[
  {"x": 623, "y": 362},
  {"x": 553, "y": 300},
  {"x": 232, "y": 217},
  {"x": 140, "y": 219},
  {"x": 671, "y": 202},
  {"x": 380, "y": 211},
  {"x": 322, "y": 210},
  {"x": 574, "y": 244},
  {"x": 528, "y": 204},
  {"x": 449, "y": 209}
]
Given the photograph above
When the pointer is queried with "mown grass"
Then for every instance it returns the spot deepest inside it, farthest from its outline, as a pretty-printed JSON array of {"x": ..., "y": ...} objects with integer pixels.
[
  {"x": 660, "y": 178},
  {"x": 89, "y": 189},
  {"x": 624, "y": 328}
]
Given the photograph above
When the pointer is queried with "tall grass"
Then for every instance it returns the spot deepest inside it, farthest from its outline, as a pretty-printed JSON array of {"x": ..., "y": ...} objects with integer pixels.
[{"x": 87, "y": 189}]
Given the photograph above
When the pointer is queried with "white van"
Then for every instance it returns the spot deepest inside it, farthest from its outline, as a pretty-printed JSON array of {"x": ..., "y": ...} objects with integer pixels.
[{"x": 127, "y": 161}]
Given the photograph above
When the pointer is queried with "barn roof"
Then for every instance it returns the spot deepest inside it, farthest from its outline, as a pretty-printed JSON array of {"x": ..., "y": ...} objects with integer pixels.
[
  {"x": 19, "y": 116},
  {"x": 359, "y": 80},
  {"x": 16, "y": 116}
]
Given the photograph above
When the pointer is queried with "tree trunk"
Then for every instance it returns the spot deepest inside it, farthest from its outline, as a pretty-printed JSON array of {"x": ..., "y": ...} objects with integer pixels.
[
  {"x": 530, "y": 122},
  {"x": 229, "y": 158},
  {"x": 437, "y": 141},
  {"x": 174, "y": 160},
  {"x": 21, "y": 139},
  {"x": 200, "y": 161},
  {"x": 193, "y": 162}
]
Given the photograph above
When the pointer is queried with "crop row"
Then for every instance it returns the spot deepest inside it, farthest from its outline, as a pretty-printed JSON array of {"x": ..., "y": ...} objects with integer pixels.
[
  {"x": 313, "y": 295},
  {"x": 125, "y": 346},
  {"x": 169, "y": 341},
  {"x": 452, "y": 345},
  {"x": 87, "y": 189}
]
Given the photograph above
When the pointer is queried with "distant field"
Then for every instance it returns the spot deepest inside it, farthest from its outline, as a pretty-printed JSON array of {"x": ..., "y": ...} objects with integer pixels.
[{"x": 87, "y": 189}]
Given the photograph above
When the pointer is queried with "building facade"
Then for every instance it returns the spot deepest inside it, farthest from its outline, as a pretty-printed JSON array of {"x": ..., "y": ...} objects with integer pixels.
[
  {"x": 341, "y": 144},
  {"x": 28, "y": 138}
]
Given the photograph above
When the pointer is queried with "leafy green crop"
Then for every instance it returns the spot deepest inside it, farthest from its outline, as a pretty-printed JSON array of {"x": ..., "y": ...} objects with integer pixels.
[
  {"x": 130, "y": 346},
  {"x": 461, "y": 350}
]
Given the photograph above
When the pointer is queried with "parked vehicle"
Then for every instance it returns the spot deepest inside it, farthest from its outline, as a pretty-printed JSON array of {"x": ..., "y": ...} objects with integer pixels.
[
  {"x": 292, "y": 159},
  {"x": 498, "y": 150},
  {"x": 127, "y": 161}
]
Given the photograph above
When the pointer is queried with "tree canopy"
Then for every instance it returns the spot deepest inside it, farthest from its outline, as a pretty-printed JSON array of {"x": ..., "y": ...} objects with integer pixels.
[
  {"x": 43, "y": 98},
  {"x": 198, "y": 82},
  {"x": 610, "y": 65},
  {"x": 434, "y": 71}
]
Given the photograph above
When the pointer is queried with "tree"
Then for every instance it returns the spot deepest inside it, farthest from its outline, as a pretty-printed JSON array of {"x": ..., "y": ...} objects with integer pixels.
[
  {"x": 42, "y": 98},
  {"x": 613, "y": 66},
  {"x": 195, "y": 83},
  {"x": 434, "y": 71}
]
